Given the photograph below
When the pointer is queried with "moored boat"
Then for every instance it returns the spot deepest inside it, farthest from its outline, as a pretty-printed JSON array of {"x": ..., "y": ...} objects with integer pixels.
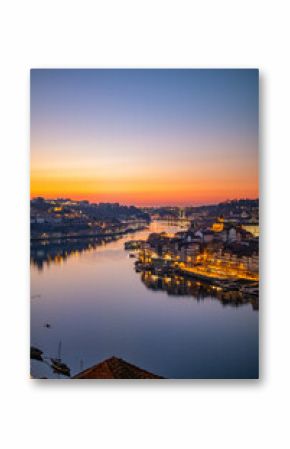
[
  {"x": 60, "y": 367},
  {"x": 36, "y": 353}
]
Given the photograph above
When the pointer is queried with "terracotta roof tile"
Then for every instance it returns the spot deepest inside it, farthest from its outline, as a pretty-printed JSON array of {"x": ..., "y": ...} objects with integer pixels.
[{"x": 115, "y": 368}]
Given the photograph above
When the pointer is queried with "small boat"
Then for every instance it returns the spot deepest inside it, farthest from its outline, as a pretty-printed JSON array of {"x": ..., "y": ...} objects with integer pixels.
[
  {"x": 60, "y": 367},
  {"x": 132, "y": 255},
  {"x": 36, "y": 354}
]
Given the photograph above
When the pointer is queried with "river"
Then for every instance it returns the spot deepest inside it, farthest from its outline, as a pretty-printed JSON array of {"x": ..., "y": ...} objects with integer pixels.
[{"x": 97, "y": 306}]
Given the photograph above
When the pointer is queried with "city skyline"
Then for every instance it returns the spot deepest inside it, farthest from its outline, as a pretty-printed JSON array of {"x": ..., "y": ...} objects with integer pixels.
[{"x": 145, "y": 137}]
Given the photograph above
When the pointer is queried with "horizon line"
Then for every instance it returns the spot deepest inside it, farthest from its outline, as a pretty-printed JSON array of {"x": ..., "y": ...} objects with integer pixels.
[{"x": 147, "y": 205}]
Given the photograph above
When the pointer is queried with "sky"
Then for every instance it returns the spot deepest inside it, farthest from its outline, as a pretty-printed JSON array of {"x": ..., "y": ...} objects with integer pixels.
[{"x": 145, "y": 137}]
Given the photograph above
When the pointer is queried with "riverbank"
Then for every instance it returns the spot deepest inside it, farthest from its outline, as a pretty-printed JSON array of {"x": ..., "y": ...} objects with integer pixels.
[
  {"x": 227, "y": 285},
  {"x": 60, "y": 236}
]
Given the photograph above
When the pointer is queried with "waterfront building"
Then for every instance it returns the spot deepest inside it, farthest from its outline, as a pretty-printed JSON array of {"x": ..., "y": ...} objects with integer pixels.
[
  {"x": 252, "y": 228},
  {"x": 188, "y": 253}
]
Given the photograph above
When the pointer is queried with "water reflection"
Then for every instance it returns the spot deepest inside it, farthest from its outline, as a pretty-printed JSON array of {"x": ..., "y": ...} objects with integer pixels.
[
  {"x": 99, "y": 307},
  {"x": 44, "y": 252},
  {"x": 56, "y": 252},
  {"x": 181, "y": 286}
]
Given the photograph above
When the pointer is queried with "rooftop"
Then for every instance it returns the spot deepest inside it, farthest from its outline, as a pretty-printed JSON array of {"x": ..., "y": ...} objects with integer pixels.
[{"x": 115, "y": 368}]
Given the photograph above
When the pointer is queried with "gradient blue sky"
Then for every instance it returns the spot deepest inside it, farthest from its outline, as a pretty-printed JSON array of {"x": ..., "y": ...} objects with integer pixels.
[{"x": 144, "y": 136}]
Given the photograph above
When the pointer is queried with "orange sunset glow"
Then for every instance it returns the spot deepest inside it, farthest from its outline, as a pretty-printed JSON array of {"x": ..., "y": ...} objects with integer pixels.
[{"x": 144, "y": 137}]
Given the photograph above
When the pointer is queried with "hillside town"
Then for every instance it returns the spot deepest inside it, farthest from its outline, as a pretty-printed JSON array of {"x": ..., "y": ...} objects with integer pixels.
[
  {"x": 223, "y": 250},
  {"x": 65, "y": 218}
]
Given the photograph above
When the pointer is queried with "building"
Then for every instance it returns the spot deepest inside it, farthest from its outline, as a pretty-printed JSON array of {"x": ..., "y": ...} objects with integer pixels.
[
  {"x": 208, "y": 236},
  {"x": 115, "y": 368},
  {"x": 253, "y": 228},
  {"x": 188, "y": 253}
]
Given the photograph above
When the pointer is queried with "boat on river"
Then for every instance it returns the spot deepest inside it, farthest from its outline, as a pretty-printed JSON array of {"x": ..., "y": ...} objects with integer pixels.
[
  {"x": 36, "y": 354},
  {"x": 59, "y": 367}
]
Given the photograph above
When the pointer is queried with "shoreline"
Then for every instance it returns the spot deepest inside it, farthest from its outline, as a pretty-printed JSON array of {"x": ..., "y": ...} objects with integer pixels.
[{"x": 86, "y": 236}]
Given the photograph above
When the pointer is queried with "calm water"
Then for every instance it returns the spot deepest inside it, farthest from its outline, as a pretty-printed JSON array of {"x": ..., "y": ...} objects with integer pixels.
[{"x": 98, "y": 306}]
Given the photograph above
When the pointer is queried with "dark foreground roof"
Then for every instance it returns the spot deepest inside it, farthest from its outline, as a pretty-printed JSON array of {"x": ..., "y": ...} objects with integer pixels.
[{"x": 115, "y": 368}]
